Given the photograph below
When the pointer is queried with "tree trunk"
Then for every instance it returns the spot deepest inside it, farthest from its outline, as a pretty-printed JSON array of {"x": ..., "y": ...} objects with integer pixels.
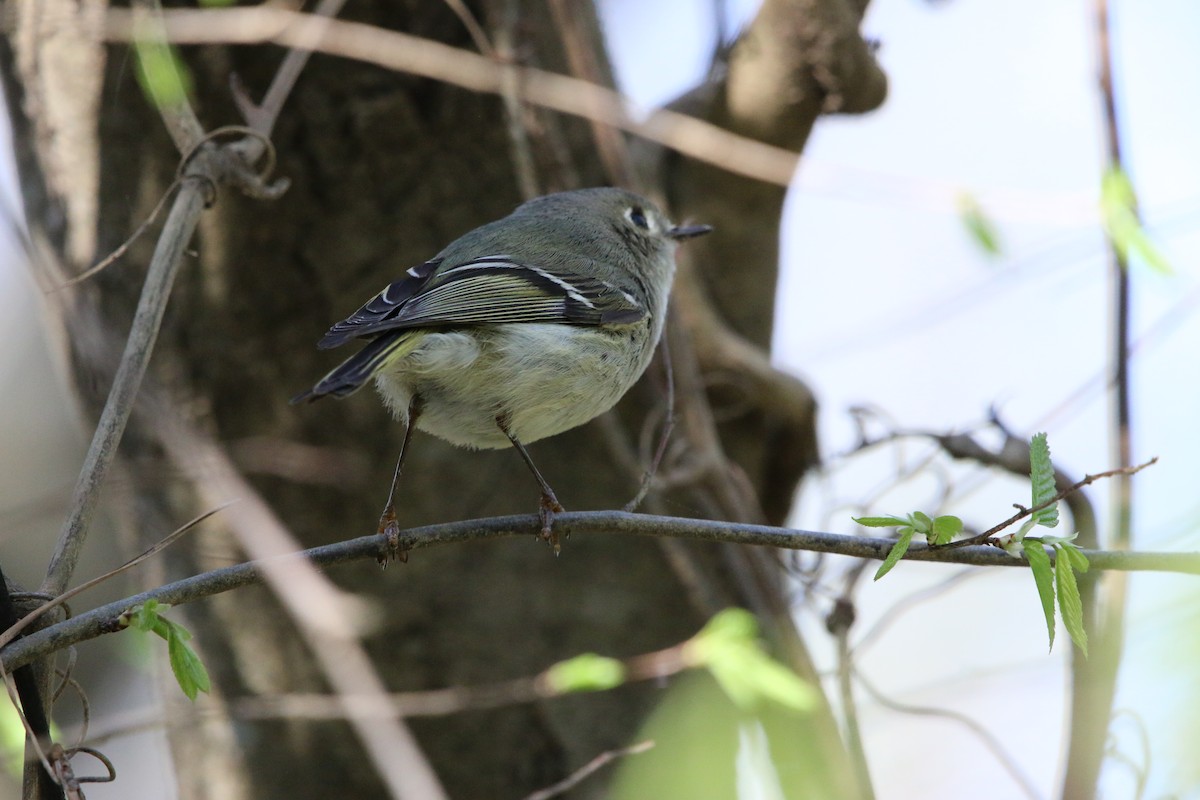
[{"x": 385, "y": 169}]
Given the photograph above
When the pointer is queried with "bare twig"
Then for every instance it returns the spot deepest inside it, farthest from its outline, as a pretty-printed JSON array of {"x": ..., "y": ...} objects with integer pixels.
[
  {"x": 908, "y": 603},
  {"x": 993, "y": 744},
  {"x": 664, "y": 437},
  {"x": 15, "y": 630},
  {"x": 122, "y": 248},
  {"x": 1121, "y": 438},
  {"x": 474, "y": 29},
  {"x": 581, "y": 57},
  {"x": 1140, "y": 768},
  {"x": 1095, "y": 678},
  {"x": 577, "y": 777},
  {"x": 1026, "y": 512},
  {"x": 406, "y": 53},
  {"x": 177, "y": 232},
  {"x": 179, "y": 118},
  {"x": 517, "y": 114},
  {"x": 103, "y": 619},
  {"x": 262, "y": 117},
  {"x": 838, "y": 623},
  {"x": 654, "y": 666},
  {"x": 398, "y": 705}
]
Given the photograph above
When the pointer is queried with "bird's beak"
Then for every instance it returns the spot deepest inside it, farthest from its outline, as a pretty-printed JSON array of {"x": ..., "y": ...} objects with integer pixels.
[{"x": 680, "y": 232}]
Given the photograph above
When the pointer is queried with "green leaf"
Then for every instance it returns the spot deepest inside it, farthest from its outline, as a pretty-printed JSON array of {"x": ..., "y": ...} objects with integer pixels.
[
  {"x": 757, "y": 677},
  {"x": 587, "y": 672},
  {"x": 1069, "y": 605},
  {"x": 1078, "y": 560},
  {"x": 1118, "y": 204},
  {"x": 733, "y": 626},
  {"x": 945, "y": 528},
  {"x": 145, "y": 617},
  {"x": 1043, "y": 576},
  {"x": 980, "y": 228},
  {"x": 189, "y": 671},
  {"x": 1041, "y": 474},
  {"x": 921, "y": 521},
  {"x": 897, "y": 552},
  {"x": 880, "y": 522},
  {"x": 728, "y": 647},
  {"x": 162, "y": 74}
]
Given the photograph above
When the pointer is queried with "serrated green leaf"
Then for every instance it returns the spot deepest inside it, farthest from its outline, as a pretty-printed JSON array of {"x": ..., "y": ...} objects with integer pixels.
[
  {"x": 587, "y": 672},
  {"x": 897, "y": 552},
  {"x": 945, "y": 528},
  {"x": 1041, "y": 475},
  {"x": 880, "y": 522},
  {"x": 162, "y": 74},
  {"x": 1078, "y": 560},
  {"x": 189, "y": 671},
  {"x": 728, "y": 647},
  {"x": 921, "y": 521},
  {"x": 981, "y": 229},
  {"x": 1118, "y": 202},
  {"x": 1043, "y": 576},
  {"x": 1070, "y": 607}
]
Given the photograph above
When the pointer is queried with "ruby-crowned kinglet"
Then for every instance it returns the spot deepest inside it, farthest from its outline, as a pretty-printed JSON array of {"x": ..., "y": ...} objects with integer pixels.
[{"x": 523, "y": 328}]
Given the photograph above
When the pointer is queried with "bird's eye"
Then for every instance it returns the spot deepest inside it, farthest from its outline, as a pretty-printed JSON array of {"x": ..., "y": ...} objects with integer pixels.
[{"x": 638, "y": 217}]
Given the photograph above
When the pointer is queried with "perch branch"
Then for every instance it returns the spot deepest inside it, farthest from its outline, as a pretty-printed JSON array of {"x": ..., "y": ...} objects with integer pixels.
[{"x": 104, "y": 619}]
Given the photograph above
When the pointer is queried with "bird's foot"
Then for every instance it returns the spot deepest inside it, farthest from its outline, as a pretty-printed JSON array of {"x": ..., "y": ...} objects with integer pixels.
[
  {"x": 547, "y": 508},
  {"x": 389, "y": 528}
]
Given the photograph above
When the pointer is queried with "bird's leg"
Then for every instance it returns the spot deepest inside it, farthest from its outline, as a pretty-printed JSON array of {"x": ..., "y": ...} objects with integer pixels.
[
  {"x": 549, "y": 505},
  {"x": 388, "y": 526}
]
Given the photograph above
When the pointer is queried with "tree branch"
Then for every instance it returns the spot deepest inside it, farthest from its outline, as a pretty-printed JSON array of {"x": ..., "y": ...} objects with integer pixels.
[
  {"x": 105, "y": 618},
  {"x": 1095, "y": 684},
  {"x": 177, "y": 232},
  {"x": 1061, "y": 495},
  {"x": 403, "y": 52}
]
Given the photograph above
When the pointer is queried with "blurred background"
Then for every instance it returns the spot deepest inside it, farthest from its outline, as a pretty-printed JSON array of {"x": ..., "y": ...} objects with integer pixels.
[{"x": 887, "y": 301}]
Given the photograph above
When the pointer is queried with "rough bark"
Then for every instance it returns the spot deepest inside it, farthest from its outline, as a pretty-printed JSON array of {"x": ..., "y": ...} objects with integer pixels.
[{"x": 385, "y": 169}]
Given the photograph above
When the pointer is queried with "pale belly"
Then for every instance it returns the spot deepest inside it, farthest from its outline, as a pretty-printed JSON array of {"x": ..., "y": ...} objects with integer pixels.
[{"x": 541, "y": 379}]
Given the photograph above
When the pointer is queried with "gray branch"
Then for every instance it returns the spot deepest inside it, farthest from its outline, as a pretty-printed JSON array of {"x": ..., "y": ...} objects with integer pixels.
[
  {"x": 105, "y": 619},
  {"x": 177, "y": 232}
]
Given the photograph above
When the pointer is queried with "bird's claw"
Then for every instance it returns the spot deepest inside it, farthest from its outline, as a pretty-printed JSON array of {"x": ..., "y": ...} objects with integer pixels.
[
  {"x": 548, "y": 506},
  {"x": 389, "y": 528}
]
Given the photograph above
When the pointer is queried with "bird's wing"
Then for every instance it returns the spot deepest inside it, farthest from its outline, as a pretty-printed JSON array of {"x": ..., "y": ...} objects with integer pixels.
[{"x": 488, "y": 290}]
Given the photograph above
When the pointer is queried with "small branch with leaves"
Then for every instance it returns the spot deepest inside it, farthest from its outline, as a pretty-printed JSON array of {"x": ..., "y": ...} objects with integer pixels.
[{"x": 1052, "y": 580}]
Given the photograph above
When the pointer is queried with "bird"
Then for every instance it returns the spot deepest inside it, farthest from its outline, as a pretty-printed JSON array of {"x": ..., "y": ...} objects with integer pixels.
[{"x": 520, "y": 329}]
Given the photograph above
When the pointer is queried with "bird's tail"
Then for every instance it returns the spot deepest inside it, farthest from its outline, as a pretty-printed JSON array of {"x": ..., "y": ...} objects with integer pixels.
[{"x": 349, "y": 376}]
